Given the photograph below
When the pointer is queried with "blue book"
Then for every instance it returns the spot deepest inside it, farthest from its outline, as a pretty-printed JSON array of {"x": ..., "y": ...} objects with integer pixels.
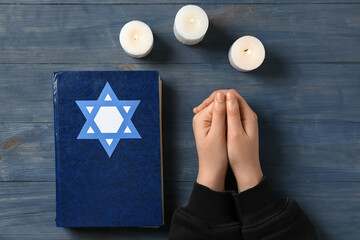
[{"x": 108, "y": 149}]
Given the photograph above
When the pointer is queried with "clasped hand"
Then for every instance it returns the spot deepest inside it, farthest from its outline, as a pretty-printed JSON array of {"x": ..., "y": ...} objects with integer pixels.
[{"x": 226, "y": 134}]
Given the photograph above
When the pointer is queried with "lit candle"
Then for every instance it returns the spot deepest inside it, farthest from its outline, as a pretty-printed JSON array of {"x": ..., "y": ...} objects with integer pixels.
[
  {"x": 191, "y": 24},
  {"x": 246, "y": 54},
  {"x": 136, "y": 39}
]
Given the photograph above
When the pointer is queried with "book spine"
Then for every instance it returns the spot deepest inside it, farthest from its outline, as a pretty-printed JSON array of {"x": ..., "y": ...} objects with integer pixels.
[
  {"x": 56, "y": 134},
  {"x": 161, "y": 151}
]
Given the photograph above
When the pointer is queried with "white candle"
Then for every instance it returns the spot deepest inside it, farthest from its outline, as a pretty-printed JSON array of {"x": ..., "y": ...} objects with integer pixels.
[
  {"x": 136, "y": 39},
  {"x": 191, "y": 24},
  {"x": 246, "y": 54}
]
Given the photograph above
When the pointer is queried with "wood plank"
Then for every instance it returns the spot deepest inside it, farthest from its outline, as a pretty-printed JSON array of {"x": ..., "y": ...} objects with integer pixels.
[
  {"x": 289, "y": 152},
  {"x": 332, "y": 207},
  {"x": 89, "y": 33},
  {"x": 167, "y": 2},
  {"x": 27, "y": 210},
  {"x": 27, "y": 150},
  {"x": 278, "y": 93}
]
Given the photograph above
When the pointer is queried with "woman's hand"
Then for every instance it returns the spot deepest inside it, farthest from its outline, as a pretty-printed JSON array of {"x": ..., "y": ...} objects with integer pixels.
[
  {"x": 242, "y": 139},
  {"x": 243, "y": 142},
  {"x": 209, "y": 126}
]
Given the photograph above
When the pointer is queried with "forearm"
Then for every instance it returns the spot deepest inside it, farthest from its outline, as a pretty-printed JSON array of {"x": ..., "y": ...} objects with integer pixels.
[
  {"x": 208, "y": 215},
  {"x": 264, "y": 215}
]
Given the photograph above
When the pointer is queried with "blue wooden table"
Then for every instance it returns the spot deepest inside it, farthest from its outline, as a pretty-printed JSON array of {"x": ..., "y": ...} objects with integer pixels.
[{"x": 306, "y": 94}]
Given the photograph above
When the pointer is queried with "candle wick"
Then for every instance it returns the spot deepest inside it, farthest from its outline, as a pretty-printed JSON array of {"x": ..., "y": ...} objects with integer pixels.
[{"x": 248, "y": 51}]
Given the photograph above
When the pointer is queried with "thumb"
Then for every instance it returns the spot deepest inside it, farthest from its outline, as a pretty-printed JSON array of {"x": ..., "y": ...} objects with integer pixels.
[{"x": 218, "y": 114}]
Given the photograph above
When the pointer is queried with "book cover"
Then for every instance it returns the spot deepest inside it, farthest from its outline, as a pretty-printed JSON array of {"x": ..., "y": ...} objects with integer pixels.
[{"x": 108, "y": 149}]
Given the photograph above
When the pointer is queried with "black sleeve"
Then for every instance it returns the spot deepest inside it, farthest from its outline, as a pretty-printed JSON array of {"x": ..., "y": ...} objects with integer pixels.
[
  {"x": 264, "y": 215},
  {"x": 214, "y": 215},
  {"x": 209, "y": 215}
]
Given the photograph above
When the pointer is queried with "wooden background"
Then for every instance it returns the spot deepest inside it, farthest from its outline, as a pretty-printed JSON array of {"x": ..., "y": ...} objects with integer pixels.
[{"x": 306, "y": 94}]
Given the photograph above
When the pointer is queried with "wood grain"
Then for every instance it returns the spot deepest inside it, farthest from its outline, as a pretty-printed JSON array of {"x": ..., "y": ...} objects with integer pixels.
[
  {"x": 89, "y": 33},
  {"x": 278, "y": 93},
  {"x": 289, "y": 152},
  {"x": 168, "y": 2},
  {"x": 306, "y": 94},
  {"x": 30, "y": 206}
]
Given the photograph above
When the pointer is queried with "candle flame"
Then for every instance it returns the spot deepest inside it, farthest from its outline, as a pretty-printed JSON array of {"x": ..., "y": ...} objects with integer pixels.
[
  {"x": 192, "y": 20},
  {"x": 136, "y": 37}
]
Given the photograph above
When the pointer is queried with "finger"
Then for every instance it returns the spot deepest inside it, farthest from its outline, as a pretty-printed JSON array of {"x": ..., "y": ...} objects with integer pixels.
[
  {"x": 206, "y": 113},
  {"x": 248, "y": 117},
  {"x": 245, "y": 109},
  {"x": 219, "y": 114},
  {"x": 234, "y": 124},
  {"x": 211, "y": 98},
  {"x": 205, "y": 103},
  {"x": 208, "y": 101},
  {"x": 202, "y": 120}
]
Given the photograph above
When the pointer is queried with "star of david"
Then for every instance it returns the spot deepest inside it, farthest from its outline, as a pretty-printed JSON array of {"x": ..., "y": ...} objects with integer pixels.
[{"x": 108, "y": 119}]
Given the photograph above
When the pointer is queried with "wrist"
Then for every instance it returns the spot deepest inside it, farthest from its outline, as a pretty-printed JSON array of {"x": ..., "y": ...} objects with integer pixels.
[
  {"x": 215, "y": 182},
  {"x": 248, "y": 180}
]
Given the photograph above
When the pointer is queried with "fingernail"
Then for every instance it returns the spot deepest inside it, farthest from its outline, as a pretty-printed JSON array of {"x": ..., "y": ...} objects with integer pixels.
[
  {"x": 230, "y": 96},
  {"x": 220, "y": 97}
]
